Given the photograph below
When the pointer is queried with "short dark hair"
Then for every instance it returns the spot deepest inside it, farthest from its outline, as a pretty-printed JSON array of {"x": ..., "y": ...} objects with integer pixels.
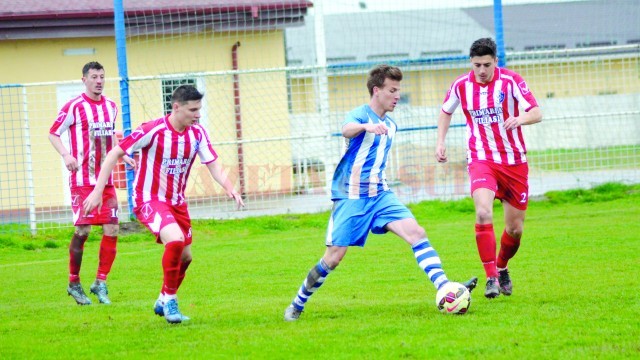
[
  {"x": 184, "y": 93},
  {"x": 482, "y": 47},
  {"x": 380, "y": 73},
  {"x": 91, "y": 65}
]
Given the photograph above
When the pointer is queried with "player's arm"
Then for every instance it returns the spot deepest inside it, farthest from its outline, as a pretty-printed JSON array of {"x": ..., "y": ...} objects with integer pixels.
[
  {"x": 353, "y": 129},
  {"x": 94, "y": 200},
  {"x": 216, "y": 171},
  {"x": 69, "y": 161},
  {"x": 129, "y": 160},
  {"x": 534, "y": 115},
  {"x": 444, "y": 121}
]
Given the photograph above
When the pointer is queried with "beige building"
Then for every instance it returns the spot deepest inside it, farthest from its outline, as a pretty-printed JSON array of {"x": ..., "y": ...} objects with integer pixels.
[{"x": 44, "y": 45}]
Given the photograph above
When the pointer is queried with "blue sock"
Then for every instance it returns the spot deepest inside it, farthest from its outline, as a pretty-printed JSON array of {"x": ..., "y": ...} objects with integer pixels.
[
  {"x": 429, "y": 261},
  {"x": 314, "y": 280}
]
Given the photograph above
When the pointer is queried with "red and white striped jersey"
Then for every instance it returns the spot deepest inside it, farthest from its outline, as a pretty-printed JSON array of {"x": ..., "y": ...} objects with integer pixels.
[
  {"x": 91, "y": 125},
  {"x": 486, "y": 107},
  {"x": 166, "y": 159}
]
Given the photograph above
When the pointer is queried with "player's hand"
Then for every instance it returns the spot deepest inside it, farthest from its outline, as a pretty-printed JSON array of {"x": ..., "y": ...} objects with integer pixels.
[
  {"x": 129, "y": 161},
  {"x": 236, "y": 197},
  {"x": 70, "y": 163},
  {"x": 512, "y": 123},
  {"x": 378, "y": 129},
  {"x": 94, "y": 200},
  {"x": 441, "y": 153}
]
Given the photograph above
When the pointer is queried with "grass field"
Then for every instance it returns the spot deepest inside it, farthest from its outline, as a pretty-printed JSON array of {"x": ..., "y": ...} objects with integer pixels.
[
  {"x": 610, "y": 157},
  {"x": 576, "y": 291}
]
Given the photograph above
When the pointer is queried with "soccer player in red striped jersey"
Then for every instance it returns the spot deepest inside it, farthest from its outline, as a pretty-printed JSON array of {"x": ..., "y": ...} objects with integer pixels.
[
  {"x": 89, "y": 119},
  {"x": 492, "y": 100},
  {"x": 168, "y": 147}
]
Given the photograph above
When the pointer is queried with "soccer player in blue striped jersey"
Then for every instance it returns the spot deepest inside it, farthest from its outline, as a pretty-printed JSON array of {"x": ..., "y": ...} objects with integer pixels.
[{"x": 362, "y": 200}]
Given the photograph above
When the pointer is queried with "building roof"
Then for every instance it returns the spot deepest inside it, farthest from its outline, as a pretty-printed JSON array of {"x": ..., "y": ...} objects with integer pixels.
[
  {"x": 566, "y": 25},
  {"x": 380, "y": 36},
  {"x": 367, "y": 36},
  {"x": 35, "y": 19}
]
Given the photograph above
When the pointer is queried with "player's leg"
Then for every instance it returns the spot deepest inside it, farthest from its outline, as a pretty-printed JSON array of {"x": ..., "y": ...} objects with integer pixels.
[
  {"x": 106, "y": 257},
  {"x": 108, "y": 217},
  {"x": 513, "y": 179},
  {"x": 181, "y": 214},
  {"x": 484, "y": 187},
  {"x": 428, "y": 260},
  {"x": 348, "y": 226},
  {"x": 173, "y": 239},
  {"x": 509, "y": 244},
  {"x": 426, "y": 256},
  {"x": 76, "y": 250},
  {"x": 158, "y": 306},
  {"x": 164, "y": 221},
  {"x": 185, "y": 261},
  {"x": 315, "y": 278},
  {"x": 486, "y": 238},
  {"x": 183, "y": 219}
]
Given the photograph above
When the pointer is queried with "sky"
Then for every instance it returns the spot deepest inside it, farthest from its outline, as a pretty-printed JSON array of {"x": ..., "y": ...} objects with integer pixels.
[{"x": 341, "y": 6}]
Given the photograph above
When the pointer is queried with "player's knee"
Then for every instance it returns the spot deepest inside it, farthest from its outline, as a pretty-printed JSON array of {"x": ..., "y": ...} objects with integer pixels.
[
  {"x": 332, "y": 261},
  {"x": 514, "y": 232},
  {"x": 111, "y": 230},
  {"x": 82, "y": 231},
  {"x": 419, "y": 233},
  {"x": 333, "y": 258},
  {"x": 484, "y": 216}
]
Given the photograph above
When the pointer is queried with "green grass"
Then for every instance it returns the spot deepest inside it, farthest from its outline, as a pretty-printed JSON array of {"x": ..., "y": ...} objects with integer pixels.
[
  {"x": 576, "y": 288},
  {"x": 614, "y": 157}
]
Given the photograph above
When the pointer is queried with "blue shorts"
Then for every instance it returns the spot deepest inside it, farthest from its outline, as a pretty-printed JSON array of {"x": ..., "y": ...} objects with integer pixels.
[{"x": 351, "y": 219}]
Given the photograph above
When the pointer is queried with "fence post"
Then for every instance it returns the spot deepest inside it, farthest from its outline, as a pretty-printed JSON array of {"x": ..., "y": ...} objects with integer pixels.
[
  {"x": 28, "y": 165},
  {"x": 497, "y": 24},
  {"x": 121, "y": 51}
]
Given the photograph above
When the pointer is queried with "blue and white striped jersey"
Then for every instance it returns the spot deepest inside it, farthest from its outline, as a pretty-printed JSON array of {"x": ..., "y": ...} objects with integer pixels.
[{"x": 361, "y": 171}]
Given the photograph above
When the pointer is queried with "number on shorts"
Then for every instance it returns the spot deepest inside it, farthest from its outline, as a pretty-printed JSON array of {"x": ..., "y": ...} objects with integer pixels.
[{"x": 524, "y": 198}]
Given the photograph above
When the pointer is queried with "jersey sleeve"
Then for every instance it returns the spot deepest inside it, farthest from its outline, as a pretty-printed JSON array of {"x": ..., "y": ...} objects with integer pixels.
[
  {"x": 63, "y": 121},
  {"x": 358, "y": 116},
  {"x": 522, "y": 93},
  {"x": 205, "y": 150},
  {"x": 451, "y": 100},
  {"x": 138, "y": 139}
]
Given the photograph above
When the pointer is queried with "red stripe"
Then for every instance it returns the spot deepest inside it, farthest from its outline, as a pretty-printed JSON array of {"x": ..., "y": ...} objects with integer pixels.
[
  {"x": 481, "y": 128},
  {"x": 97, "y": 143},
  {"x": 172, "y": 154},
  {"x": 495, "y": 127},
  {"x": 182, "y": 181},
  {"x": 156, "y": 157},
  {"x": 205, "y": 138},
  {"x": 517, "y": 156},
  {"x": 140, "y": 177},
  {"x": 85, "y": 144},
  {"x": 73, "y": 143},
  {"x": 462, "y": 95}
]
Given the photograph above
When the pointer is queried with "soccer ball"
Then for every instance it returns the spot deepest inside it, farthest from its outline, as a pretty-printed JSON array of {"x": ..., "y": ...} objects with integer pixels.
[{"x": 453, "y": 298}]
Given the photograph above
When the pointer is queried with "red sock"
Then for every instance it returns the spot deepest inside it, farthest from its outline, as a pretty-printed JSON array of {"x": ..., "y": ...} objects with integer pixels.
[
  {"x": 183, "y": 271},
  {"x": 171, "y": 266},
  {"x": 107, "y": 256},
  {"x": 508, "y": 249},
  {"x": 76, "y": 249},
  {"x": 486, "y": 241}
]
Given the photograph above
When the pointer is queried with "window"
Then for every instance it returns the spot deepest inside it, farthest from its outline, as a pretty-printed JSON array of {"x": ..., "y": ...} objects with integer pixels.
[
  {"x": 544, "y": 47},
  {"x": 169, "y": 86},
  {"x": 387, "y": 57}
]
